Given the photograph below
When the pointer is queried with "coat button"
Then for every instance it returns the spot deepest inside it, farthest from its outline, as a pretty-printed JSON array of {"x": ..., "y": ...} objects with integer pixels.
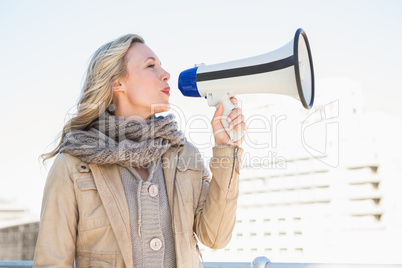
[
  {"x": 156, "y": 244},
  {"x": 83, "y": 167},
  {"x": 153, "y": 190}
]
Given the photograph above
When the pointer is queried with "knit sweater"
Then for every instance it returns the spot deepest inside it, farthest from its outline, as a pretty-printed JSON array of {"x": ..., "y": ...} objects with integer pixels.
[{"x": 150, "y": 220}]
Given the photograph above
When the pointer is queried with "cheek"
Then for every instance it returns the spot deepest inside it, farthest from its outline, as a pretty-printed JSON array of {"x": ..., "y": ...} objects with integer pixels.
[
  {"x": 135, "y": 92},
  {"x": 143, "y": 89}
]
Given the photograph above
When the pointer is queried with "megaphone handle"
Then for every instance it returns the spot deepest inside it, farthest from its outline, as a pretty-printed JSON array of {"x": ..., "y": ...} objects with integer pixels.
[{"x": 228, "y": 107}]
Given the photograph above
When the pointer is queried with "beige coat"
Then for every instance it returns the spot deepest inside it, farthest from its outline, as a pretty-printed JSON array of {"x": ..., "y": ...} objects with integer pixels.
[{"x": 85, "y": 216}]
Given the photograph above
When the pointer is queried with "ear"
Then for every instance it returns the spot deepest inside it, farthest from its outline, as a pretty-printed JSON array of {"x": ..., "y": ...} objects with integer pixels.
[{"x": 118, "y": 86}]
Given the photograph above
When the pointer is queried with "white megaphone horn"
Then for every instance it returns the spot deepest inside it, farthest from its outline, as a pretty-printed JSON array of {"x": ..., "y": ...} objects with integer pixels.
[{"x": 286, "y": 71}]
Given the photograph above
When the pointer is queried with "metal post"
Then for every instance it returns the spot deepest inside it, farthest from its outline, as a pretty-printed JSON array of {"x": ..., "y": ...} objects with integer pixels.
[{"x": 260, "y": 262}]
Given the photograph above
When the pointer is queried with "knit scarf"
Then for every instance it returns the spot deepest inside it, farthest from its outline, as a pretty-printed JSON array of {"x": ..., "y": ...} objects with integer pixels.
[{"x": 131, "y": 143}]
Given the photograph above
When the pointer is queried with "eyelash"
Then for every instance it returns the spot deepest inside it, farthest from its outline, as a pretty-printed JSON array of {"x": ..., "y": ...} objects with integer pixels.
[{"x": 151, "y": 66}]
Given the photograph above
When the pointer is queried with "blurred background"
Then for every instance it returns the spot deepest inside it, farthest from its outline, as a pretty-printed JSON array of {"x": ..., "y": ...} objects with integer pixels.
[{"x": 319, "y": 185}]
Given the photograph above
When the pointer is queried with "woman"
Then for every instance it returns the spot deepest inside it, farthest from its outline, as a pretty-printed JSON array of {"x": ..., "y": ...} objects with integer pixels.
[{"x": 126, "y": 188}]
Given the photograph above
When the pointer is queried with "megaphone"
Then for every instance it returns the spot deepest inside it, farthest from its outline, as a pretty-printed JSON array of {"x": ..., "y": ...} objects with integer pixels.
[{"x": 286, "y": 71}]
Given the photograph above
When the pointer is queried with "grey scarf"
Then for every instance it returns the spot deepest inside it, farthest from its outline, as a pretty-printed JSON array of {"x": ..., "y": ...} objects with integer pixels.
[{"x": 130, "y": 143}]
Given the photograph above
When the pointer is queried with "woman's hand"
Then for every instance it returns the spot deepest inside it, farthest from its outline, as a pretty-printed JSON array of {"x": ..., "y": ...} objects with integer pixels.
[{"x": 235, "y": 120}]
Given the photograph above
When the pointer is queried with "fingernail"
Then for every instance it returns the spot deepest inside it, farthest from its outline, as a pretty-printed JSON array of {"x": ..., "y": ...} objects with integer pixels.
[{"x": 229, "y": 120}]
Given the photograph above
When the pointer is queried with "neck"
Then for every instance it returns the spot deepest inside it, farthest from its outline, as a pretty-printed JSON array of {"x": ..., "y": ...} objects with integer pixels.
[{"x": 138, "y": 115}]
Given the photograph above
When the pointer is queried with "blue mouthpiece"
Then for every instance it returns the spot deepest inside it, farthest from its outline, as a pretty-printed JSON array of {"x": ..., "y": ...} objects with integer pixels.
[{"x": 188, "y": 83}]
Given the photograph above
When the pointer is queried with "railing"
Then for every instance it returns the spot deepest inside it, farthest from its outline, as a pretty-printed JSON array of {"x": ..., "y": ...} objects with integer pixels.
[
  {"x": 15, "y": 264},
  {"x": 259, "y": 262}
]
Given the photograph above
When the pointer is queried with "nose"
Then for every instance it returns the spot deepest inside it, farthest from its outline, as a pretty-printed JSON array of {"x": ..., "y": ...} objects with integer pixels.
[{"x": 165, "y": 76}]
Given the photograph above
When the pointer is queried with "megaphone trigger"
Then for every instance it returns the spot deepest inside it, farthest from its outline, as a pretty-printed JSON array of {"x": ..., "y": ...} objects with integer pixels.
[{"x": 228, "y": 107}]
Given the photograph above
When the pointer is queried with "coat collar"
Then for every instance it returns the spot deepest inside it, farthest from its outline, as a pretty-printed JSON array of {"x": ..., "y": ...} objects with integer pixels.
[
  {"x": 169, "y": 163},
  {"x": 111, "y": 192}
]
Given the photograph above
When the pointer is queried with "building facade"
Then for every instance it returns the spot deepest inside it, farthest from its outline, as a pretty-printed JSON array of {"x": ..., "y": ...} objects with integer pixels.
[{"x": 18, "y": 240}]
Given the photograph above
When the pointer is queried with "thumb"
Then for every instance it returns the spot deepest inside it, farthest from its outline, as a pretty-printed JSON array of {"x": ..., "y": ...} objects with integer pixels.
[
  {"x": 218, "y": 115},
  {"x": 219, "y": 111}
]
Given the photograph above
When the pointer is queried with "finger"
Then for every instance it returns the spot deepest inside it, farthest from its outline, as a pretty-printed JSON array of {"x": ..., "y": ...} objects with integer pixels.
[
  {"x": 238, "y": 120},
  {"x": 233, "y": 114},
  {"x": 240, "y": 141},
  {"x": 240, "y": 127},
  {"x": 233, "y": 100},
  {"x": 231, "y": 143}
]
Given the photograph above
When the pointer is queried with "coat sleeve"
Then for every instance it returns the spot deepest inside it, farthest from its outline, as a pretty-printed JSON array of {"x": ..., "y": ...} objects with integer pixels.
[
  {"x": 58, "y": 227},
  {"x": 216, "y": 211}
]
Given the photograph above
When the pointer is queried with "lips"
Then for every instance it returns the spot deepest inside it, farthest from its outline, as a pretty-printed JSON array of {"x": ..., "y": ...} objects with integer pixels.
[{"x": 166, "y": 90}]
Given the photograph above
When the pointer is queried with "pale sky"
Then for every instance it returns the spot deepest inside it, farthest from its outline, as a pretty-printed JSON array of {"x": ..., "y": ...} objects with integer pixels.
[{"x": 45, "y": 47}]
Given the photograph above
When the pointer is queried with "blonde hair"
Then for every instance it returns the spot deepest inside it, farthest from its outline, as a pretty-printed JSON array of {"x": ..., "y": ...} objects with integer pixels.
[{"x": 107, "y": 65}]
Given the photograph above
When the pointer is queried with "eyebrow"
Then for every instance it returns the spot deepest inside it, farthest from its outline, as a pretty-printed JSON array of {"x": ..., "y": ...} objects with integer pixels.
[{"x": 152, "y": 58}]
